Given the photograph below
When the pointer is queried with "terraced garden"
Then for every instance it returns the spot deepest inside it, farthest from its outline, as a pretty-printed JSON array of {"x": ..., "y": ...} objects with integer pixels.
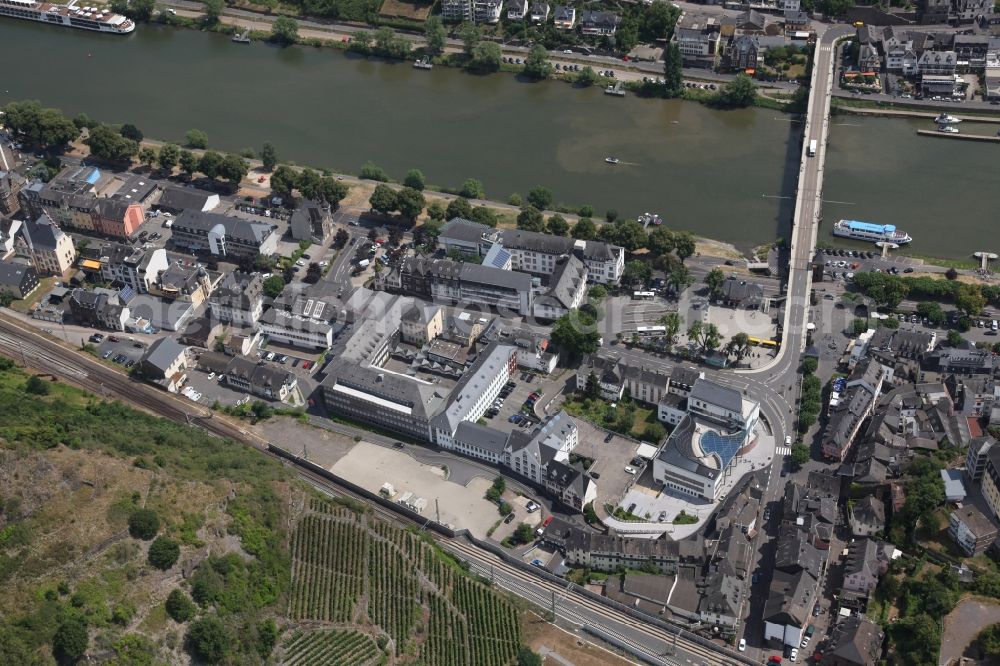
[{"x": 393, "y": 597}]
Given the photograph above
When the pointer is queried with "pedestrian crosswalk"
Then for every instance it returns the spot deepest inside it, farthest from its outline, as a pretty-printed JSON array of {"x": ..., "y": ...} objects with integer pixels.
[{"x": 783, "y": 451}]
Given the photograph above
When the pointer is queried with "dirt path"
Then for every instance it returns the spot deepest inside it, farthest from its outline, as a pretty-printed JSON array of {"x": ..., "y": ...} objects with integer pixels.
[{"x": 963, "y": 624}]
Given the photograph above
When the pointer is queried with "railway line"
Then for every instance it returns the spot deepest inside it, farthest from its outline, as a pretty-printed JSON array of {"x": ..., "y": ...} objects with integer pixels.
[{"x": 648, "y": 642}]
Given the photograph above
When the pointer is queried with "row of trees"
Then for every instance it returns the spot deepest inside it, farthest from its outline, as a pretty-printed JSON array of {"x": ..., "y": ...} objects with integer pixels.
[
  {"x": 408, "y": 201},
  {"x": 323, "y": 188}
]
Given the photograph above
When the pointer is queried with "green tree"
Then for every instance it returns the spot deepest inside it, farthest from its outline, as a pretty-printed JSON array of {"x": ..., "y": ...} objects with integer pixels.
[
  {"x": 131, "y": 132},
  {"x": 459, "y": 207},
  {"x": 196, "y": 139},
  {"x": 523, "y": 533},
  {"x": 932, "y": 310},
  {"x": 486, "y": 57},
  {"x": 800, "y": 454},
  {"x": 340, "y": 239},
  {"x": 636, "y": 272},
  {"x": 837, "y": 7},
  {"x": 684, "y": 244},
  {"x": 39, "y": 126},
  {"x": 654, "y": 432},
  {"x": 143, "y": 524},
  {"x": 738, "y": 346},
  {"x": 267, "y": 637},
  {"x": 584, "y": 229},
  {"x": 575, "y": 334},
  {"x": 530, "y": 219},
  {"x": 627, "y": 233},
  {"x": 627, "y": 34},
  {"x": 168, "y": 157},
  {"x": 739, "y": 93},
  {"x": 540, "y": 197},
  {"x": 188, "y": 162},
  {"x": 660, "y": 241},
  {"x": 586, "y": 77},
  {"x": 147, "y": 156},
  {"x": 36, "y": 386},
  {"x": 370, "y": 171},
  {"x": 410, "y": 202},
  {"x": 273, "y": 286},
  {"x": 209, "y": 639},
  {"x": 809, "y": 365},
  {"x": 954, "y": 338},
  {"x": 672, "y": 323},
  {"x": 536, "y": 65},
  {"x": 179, "y": 606},
  {"x": 213, "y": 10},
  {"x": 285, "y": 30},
  {"x": 470, "y": 34},
  {"x": 210, "y": 163},
  {"x": 436, "y": 211},
  {"x": 107, "y": 144},
  {"x": 969, "y": 299},
  {"x": 484, "y": 215},
  {"x": 472, "y": 189},
  {"x": 233, "y": 168},
  {"x": 705, "y": 335},
  {"x": 163, "y": 553},
  {"x": 268, "y": 155},
  {"x": 658, "y": 21},
  {"x": 70, "y": 640},
  {"x": 557, "y": 225},
  {"x": 284, "y": 179},
  {"x": 714, "y": 281},
  {"x": 383, "y": 199},
  {"x": 592, "y": 389},
  {"x": 527, "y": 657},
  {"x": 435, "y": 34},
  {"x": 679, "y": 278},
  {"x": 415, "y": 179}
]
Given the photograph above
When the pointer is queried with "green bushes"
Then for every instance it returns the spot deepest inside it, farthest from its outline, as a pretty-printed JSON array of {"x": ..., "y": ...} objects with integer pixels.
[
  {"x": 143, "y": 524},
  {"x": 179, "y": 606},
  {"x": 163, "y": 553}
]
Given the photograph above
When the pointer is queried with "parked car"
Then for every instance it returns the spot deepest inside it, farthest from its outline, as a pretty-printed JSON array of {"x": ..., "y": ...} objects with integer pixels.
[
  {"x": 609, "y": 437},
  {"x": 743, "y": 645},
  {"x": 531, "y": 507},
  {"x": 97, "y": 338},
  {"x": 630, "y": 470}
]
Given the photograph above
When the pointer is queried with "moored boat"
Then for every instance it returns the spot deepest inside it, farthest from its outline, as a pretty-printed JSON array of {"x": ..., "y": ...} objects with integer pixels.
[
  {"x": 944, "y": 119},
  {"x": 612, "y": 160},
  {"x": 868, "y": 231},
  {"x": 71, "y": 16}
]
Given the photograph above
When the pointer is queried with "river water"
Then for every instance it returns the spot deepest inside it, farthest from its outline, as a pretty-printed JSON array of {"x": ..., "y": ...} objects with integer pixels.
[{"x": 725, "y": 175}]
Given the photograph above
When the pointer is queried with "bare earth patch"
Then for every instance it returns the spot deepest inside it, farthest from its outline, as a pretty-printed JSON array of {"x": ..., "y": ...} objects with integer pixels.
[
  {"x": 568, "y": 647},
  {"x": 962, "y": 625},
  {"x": 407, "y": 10}
]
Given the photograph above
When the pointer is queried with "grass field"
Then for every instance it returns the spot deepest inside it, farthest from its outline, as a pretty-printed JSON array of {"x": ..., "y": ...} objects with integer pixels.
[{"x": 407, "y": 10}]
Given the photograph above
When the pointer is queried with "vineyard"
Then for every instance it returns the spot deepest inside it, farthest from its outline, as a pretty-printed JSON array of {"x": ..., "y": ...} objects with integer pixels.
[{"x": 394, "y": 589}]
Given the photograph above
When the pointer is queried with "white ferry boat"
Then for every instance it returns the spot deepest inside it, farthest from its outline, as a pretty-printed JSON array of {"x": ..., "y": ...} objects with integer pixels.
[
  {"x": 868, "y": 231},
  {"x": 88, "y": 18},
  {"x": 945, "y": 119}
]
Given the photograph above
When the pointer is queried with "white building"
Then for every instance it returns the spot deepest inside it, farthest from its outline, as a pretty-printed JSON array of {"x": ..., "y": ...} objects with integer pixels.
[
  {"x": 291, "y": 329},
  {"x": 605, "y": 262},
  {"x": 475, "y": 392},
  {"x": 239, "y": 299},
  {"x": 133, "y": 266},
  {"x": 720, "y": 425}
]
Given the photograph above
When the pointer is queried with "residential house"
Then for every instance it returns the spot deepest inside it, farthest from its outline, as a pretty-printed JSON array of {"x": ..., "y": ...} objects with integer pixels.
[
  {"x": 976, "y": 457},
  {"x": 937, "y": 63},
  {"x": 615, "y": 376},
  {"x": 184, "y": 280},
  {"x": 751, "y": 22},
  {"x": 603, "y": 552},
  {"x": 17, "y": 279},
  {"x": 462, "y": 283},
  {"x": 238, "y": 299},
  {"x": 867, "y": 516},
  {"x": 534, "y": 350},
  {"x": 223, "y": 236},
  {"x": 50, "y": 250},
  {"x": 534, "y": 252},
  {"x": 964, "y": 12},
  {"x": 862, "y": 567},
  {"x": 854, "y": 641},
  {"x": 311, "y": 221},
  {"x": 131, "y": 266},
  {"x": 744, "y": 53},
  {"x": 698, "y": 37},
  {"x": 175, "y": 199},
  {"x": 456, "y": 11},
  {"x": 605, "y": 262},
  {"x": 789, "y": 5},
  {"x": 599, "y": 23},
  {"x": 121, "y": 214},
  {"x": 539, "y": 12},
  {"x": 11, "y": 184},
  {"x": 100, "y": 308},
  {"x": 864, "y": 386},
  {"x": 564, "y": 18},
  {"x": 164, "y": 362},
  {"x": 934, "y": 11},
  {"x": 68, "y": 199},
  {"x": 261, "y": 380},
  {"x": 796, "y": 21},
  {"x": 487, "y": 11},
  {"x": 421, "y": 323},
  {"x": 971, "y": 530},
  {"x": 566, "y": 291},
  {"x": 869, "y": 59},
  {"x": 516, "y": 9},
  {"x": 10, "y": 229}
]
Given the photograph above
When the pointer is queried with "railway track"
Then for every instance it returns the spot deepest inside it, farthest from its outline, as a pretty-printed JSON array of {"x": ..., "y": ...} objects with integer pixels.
[{"x": 82, "y": 370}]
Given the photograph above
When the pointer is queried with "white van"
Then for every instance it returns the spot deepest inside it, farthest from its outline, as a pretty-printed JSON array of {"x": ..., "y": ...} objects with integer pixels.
[{"x": 994, "y": 325}]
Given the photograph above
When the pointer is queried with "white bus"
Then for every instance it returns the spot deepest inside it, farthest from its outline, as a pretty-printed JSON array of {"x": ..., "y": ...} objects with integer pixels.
[
  {"x": 643, "y": 295},
  {"x": 650, "y": 331}
]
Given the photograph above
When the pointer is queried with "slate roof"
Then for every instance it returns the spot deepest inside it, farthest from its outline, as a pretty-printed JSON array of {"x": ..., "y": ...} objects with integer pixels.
[
  {"x": 183, "y": 198},
  {"x": 869, "y": 511},
  {"x": 518, "y": 239},
  {"x": 460, "y": 229},
  {"x": 856, "y": 640},
  {"x": 716, "y": 394},
  {"x": 566, "y": 280},
  {"x": 163, "y": 352},
  {"x": 251, "y": 232},
  {"x": 484, "y": 437}
]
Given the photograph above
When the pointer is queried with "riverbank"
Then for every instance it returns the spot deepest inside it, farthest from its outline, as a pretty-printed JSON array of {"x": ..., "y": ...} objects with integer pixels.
[{"x": 910, "y": 109}]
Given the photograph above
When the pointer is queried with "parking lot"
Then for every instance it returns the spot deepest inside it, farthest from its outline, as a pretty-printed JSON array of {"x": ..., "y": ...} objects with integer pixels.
[
  {"x": 610, "y": 456},
  {"x": 120, "y": 349},
  {"x": 513, "y": 403}
]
